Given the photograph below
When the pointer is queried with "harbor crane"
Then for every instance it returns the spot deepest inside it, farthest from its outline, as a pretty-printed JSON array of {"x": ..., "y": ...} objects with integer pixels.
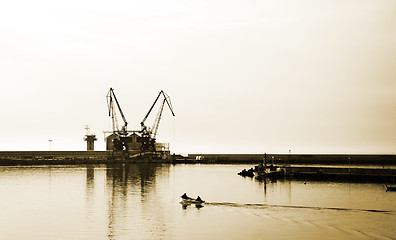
[
  {"x": 148, "y": 134},
  {"x": 111, "y": 98},
  {"x": 120, "y": 140}
]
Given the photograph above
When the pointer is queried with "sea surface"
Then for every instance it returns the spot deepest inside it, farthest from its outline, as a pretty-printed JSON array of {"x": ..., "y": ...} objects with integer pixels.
[{"x": 142, "y": 201}]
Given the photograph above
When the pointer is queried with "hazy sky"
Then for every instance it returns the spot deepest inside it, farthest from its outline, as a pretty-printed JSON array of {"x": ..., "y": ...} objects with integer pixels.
[{"x": 312, "y": 76}]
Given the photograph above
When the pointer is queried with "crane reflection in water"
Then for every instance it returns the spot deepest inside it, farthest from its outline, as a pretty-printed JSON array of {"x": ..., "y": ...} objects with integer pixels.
[{"x": 130, "y": 190}]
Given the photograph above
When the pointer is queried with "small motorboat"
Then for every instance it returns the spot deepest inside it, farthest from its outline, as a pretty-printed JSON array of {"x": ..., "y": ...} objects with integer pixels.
[
  {"x": 390, "y": 188},
  {"x": 191, "y": 201},
  {"x": 186, "y": 200}
]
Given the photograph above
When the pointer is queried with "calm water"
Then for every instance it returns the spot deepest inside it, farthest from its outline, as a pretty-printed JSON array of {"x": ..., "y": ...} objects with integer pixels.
[{"x": 142, "y": 202}]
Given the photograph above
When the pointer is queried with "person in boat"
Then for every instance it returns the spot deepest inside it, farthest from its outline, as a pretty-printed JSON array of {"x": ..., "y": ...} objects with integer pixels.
[
  {"x": 184, "y": 196},
  {"x": 199, "y": 199}
]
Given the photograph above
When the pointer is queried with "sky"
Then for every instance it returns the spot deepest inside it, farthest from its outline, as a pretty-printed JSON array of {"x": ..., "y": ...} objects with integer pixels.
[{"x": 309, "y": 76}]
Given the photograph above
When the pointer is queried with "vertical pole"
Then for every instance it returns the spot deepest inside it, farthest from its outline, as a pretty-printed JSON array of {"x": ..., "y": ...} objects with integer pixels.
[
  {"x": 265, "y": 160},
  {"x": 349, "y": 163}
]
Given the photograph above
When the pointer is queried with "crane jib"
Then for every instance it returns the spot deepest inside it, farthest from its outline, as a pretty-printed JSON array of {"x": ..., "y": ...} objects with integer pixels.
[
  {"x": 145, "y": 118},
  {"x": 112, "y": 112}
]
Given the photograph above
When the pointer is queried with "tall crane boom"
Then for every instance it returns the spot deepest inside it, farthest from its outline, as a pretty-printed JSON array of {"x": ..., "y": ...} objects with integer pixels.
[
  {"x": 157, "y": 120},
  {"x": 144, "y": 130},
  {"x": 110, "y": 103}
]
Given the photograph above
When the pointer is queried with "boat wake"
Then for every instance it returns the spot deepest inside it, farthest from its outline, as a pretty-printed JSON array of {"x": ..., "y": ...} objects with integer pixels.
[{"x": 263, "y": 205}]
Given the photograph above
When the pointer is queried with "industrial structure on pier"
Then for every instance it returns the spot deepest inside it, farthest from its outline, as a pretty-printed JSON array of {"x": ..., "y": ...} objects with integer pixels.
[
  {"x": 127, "y": 144},
  {"x": 90, "y": 139}
]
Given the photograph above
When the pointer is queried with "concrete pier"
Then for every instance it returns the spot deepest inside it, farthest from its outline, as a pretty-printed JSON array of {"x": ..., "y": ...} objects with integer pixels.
[
  {"x": 52, "y": 157},
  {"x": 81, "y": 157},
  {"x": 287, "y": 159},
  {"x": 76, "y": 157},
  {"x": 343, "y": 173}
]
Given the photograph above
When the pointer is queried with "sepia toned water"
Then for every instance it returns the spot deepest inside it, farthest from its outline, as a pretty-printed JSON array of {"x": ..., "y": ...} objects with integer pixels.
[{"x": 130, "y": 201}]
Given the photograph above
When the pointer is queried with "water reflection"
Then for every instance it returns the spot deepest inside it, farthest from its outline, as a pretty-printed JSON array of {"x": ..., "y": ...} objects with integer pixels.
[
  {"x": 132, "y": 204},
  {"x": 90, "y": 188}
]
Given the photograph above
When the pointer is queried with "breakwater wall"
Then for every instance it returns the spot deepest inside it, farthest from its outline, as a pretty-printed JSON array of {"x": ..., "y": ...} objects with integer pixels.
[
  {"x": 77, "y": 157},
  {"x": 82, "y": 157},
  {"x": 52, "y": 157},
  {"x": 342, "y": 173},
  {"x": 288, "y": 159}
]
